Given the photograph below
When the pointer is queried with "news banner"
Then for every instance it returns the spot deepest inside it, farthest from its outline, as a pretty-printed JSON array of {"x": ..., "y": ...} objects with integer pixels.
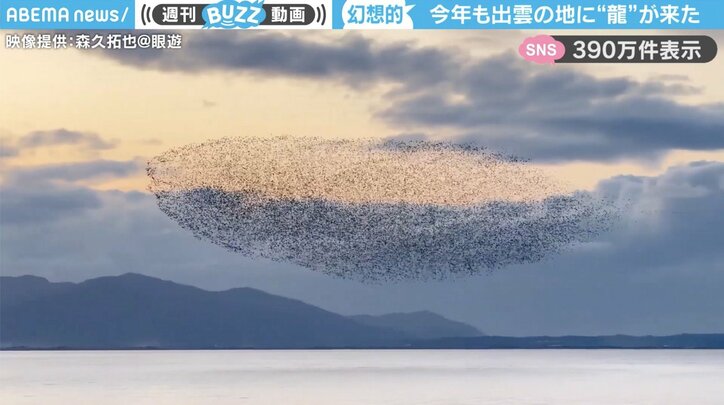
[{"x": 666, "y": 30}]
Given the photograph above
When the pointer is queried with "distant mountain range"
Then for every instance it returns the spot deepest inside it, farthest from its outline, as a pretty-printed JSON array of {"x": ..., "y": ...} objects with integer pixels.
[
  {"x": 133, "y": 311},
  {"x": 419, "y": 325}
]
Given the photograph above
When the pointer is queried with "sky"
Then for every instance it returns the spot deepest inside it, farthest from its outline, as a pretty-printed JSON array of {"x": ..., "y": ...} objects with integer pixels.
[{"x": 79, "y": 126}]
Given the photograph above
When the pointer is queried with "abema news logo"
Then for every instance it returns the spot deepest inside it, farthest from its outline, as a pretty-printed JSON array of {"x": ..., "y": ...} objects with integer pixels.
[{"x": 67, "y": 14}]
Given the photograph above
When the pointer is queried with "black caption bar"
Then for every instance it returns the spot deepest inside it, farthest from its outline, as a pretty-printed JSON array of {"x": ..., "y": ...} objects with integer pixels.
[
  {"x": 191, "y": 14},
  {"x": 637, "y": 49}
]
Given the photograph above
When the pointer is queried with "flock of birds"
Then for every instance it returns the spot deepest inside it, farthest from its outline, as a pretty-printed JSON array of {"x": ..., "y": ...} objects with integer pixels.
[{"x": 372, "y": 210}]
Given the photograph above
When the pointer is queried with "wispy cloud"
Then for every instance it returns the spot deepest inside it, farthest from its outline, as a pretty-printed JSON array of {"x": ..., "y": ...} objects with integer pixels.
[
  {"x": 63, "y": 136},
  {"x": 87, "y": 141},
  {"x": 74, "y": 172}
]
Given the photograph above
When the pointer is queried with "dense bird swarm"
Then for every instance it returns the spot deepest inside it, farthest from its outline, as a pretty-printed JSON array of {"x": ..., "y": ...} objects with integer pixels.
[{"x": 372, "y": 210}]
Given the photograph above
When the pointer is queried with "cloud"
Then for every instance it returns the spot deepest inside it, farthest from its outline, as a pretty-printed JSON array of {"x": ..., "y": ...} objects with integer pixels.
[
  {"x": 676, "y": 217},
  {"x": 8, "y": 150},
  {"x": 555, "y": 113},
  {"x": 41, "y": 205},
  {"x": 547, "y": 113},
  {"x": 48, "y": 193},
  {"x": 73, "y": 172},
  {"x": 660, "y": 272},
  {"x": 87, "y": 141},
  {"x": 352, "y": 59},
  {"x": 63, "y": 136}
]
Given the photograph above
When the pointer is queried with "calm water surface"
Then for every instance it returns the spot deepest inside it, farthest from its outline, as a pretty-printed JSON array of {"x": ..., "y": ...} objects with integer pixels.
[{"x": 364, "y": 377}]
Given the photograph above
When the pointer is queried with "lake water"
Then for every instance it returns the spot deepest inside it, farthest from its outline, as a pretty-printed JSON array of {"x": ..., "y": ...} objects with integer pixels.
[{"x": 364, "y": 377}]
